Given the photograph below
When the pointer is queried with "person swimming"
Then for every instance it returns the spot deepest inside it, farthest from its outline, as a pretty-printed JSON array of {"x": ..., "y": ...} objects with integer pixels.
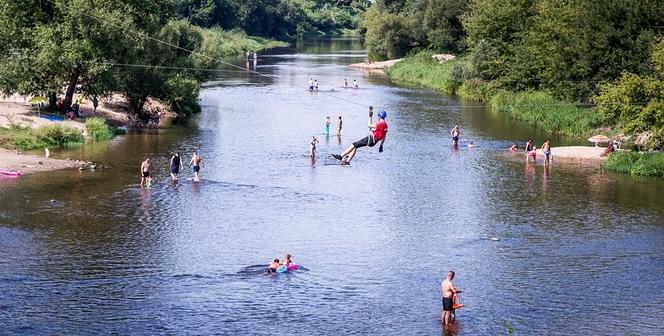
[
  {"x": 355, "y": 85},
  {"x": 288, "y": 261},
  {"x": 472, "y": 144},
  {"x": 273, "y": 265},
  {"x": 514, "y": 147}
]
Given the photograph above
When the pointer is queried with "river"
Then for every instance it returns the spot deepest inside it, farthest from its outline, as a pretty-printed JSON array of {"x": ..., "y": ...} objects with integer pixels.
[{"x": 569, "y": 249}]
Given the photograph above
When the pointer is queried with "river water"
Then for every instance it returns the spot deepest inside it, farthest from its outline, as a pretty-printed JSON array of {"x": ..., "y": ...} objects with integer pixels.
[{"x": 564, "y": 250}]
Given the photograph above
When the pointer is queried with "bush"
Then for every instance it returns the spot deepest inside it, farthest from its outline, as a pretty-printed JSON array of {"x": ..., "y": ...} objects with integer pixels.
[
  {"x": 99, "y": 129},
  {"x": 56, "y": 135},
  {"x": 425, "y": 71},
  {"x": 635, "y": 163},
  {"x": 540, "y": 109}
]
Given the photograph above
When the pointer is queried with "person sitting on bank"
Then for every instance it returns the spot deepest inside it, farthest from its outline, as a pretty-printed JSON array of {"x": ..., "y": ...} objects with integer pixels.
[{"x": 609, "y": 149}]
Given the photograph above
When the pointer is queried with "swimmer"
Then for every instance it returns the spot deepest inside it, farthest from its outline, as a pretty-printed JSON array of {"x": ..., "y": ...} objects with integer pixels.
[
  {"x": 448, "y": 297},
  {"x": 379, "y": 134},
  {"x": 197, "y": 163},
  {"x": 339, "y": 126},
  {"x": 455, "y": 135},
  {"x": 328, "y": 122},
  {"x": 288, "y": 260},
  {"x": 530, "y": 151},
  {"x": 176, "y": 165},
  {"x": 345, "y": 83},
  {"x": 273, "y": 265},
  {"x": 514, "y": 147},
  {"x": 312, "y": 150},
  {"x": 546, "y": 148},
  {"x": 145, "y": 173},
  {"x": 472, "y": 144},
  {"x": 355, "y": 86}
]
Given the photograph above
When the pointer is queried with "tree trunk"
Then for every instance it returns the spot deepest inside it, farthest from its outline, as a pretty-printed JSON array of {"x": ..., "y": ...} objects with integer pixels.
[
  {"x": 69, "y": 95},
  {"x": 52, "y": 101}
]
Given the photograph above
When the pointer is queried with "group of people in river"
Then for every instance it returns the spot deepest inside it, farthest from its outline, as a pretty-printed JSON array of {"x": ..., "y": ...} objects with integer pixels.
[
  {"x": 531, "y": 151},
  {"x": 274, "y": 265},
  {"x": 175, "y": 165},
  {"x": 314, "y": 86}
]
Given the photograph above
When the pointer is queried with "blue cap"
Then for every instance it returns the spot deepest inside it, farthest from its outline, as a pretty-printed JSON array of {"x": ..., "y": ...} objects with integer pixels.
[{"x": 382, "y": 114}]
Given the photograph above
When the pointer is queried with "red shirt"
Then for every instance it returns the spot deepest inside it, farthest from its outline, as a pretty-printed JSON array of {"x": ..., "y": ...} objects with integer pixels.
[{"x": 381, "y": 130}]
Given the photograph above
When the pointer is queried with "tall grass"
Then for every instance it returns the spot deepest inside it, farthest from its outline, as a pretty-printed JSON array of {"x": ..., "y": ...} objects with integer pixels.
[
  {"x": 636, "y": 163},
  {"x": 425, "y": 71},
  {"x": 98, "y": 129},
  {"x": 54, "y": 135},
  {"x": 542, "y": 110},
  {"x": 219, "y": 43}
]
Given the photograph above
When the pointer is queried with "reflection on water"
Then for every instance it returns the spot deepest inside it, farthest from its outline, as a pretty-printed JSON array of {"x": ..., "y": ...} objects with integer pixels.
[{"x": 550, "y": 250}]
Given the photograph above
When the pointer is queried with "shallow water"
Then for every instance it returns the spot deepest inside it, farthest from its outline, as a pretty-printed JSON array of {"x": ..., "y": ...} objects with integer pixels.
[{"x": 563, "y": 250}]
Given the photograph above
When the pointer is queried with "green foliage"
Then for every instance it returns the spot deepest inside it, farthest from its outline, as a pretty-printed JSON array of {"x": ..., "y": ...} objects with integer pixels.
[
  {"x": 98, "y": 129},
  {"x": 54, "y": 135},
  {"x": 636, "y": 163},
  {"x": 544, "y": 111},
  {"x": 425, "y": 71},
  {"x": 182, "y": 94}
]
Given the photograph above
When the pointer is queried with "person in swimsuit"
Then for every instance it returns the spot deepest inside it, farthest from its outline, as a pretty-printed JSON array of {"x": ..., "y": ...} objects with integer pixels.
[
  {"x": 345, "y": 83},
  {"x": 311, "y": 84},
  {"x": 288, "y": 260},
  {"x": 145, "y": 172},
  {"x": 449, "y": 291},
  {"x": 530, "y": 151},
  {"x": 514, "y": 147},
  {"x": 546, "y": 149},
  {"x": 316, "y": 84},
  {"x": 379, "y": 134},
  {"x": 455, "y": 135},
  {"x": 197, "y": 163},
  {"x": 328, "y": 122},
  {"x": 339, "y": 126},
  {"x": 312, "y": 149},
  {"x": 273, "y": 265},
  {"x": 355, "y": 86},
  {"x": 176, "y": 165},
  {"x": 255, "y": 56}
]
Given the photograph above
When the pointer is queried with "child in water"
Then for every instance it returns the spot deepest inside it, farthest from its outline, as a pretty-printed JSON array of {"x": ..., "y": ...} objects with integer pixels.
[
  {"x": 288, "y": 260},
  {"x": 328, "y": 122},
  {"x": 312, "y": 151}
]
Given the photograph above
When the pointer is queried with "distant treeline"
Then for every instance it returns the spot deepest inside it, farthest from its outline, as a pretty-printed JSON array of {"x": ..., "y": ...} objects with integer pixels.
[
  {"x": 603, "y": 52},
  {"x": 142, "y": 48}
]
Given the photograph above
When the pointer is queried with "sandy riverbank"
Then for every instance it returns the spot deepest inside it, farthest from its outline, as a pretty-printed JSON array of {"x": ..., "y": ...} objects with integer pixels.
[
  {"x": 26, "y": 164},
  {"x": 577, "y": 154},
  {"x": 375, "y": 65}
]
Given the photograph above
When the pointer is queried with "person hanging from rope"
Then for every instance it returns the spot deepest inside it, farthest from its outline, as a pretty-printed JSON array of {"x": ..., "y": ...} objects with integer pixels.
[{"x": 377, "y": 132}]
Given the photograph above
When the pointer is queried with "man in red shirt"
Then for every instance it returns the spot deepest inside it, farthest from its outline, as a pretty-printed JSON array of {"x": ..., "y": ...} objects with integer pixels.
[{"x": 379, "y": 134}]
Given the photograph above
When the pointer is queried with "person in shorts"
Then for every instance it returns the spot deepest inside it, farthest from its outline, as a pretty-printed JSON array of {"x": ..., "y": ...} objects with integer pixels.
[
  {"x": 145, "y": 172},
  {"x": 449, "y": 291},
  {"x": 176, "y": 165},
  {"x": 379, "y": 133}
]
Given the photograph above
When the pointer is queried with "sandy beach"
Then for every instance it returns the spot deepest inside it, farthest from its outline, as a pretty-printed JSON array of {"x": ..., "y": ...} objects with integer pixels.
[
  {"x": 26, "y": 164},
  {"x": 376, "y": 65}
]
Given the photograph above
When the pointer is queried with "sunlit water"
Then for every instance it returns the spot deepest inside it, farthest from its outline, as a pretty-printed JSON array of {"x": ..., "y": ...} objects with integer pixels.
[{"x": 564, "y": 250}]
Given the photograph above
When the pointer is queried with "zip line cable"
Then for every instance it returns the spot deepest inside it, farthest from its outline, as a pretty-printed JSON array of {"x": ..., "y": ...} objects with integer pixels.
[{"x": 187, "y": 50}]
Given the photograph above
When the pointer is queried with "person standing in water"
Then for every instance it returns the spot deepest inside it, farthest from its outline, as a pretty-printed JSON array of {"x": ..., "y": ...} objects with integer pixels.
[
  {"x": 197, "y": 162},
  {"x": 449, "y": 291},
  {"x": 455, "y": 135},
  {"x": 546, "y": 149},
  {"x": 530, "y": 151},
  {"x": 311, "y": 84},
  {"x": 339, "y": 126},
  {"x": 255, "y": 55},
  {"x": 145, "y": 172},
  {"x": 312, "y": 148},
  {"x": 379, "y": 134},
  {"x": 328, "y": 122},
  {"x": 345, "y": 83},
  {"x": 176, "y": 165},
  {"x": 355, "y": 86},
  {"x": 316, "y": 84}
]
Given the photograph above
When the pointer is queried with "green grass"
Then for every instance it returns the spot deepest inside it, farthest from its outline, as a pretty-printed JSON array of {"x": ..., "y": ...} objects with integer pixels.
[
  {"x": 423, "y": 70},
  {"x": 98, "y": 129},
  {"x": 221, "y": 43},
  {"x": 543, "y": 111},
  {"x": 46, "y": 136},
  {"x": 636, "y": 163}
]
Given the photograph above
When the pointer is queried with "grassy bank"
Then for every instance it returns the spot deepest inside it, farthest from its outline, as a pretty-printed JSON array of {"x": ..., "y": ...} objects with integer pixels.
[
  {"x": 53, "y": 135},
  {"x": 219, "y": 43},
  {"x": 536, "y": 108},
  {"x": 636, "y": 163}
]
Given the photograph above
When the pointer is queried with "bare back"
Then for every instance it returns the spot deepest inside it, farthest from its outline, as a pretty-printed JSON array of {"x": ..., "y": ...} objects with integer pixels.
[{"x": 448, "y": 288}]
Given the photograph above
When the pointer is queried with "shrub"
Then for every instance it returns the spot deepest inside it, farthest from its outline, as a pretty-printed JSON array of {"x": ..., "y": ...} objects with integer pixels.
[
  {"x": 57, "y": 135},
  {"x": 540, "y": 109},
  {"x": 423, "y": 70},
  {"x": 98, "y": 129},
  {"x": 635, "y": 163}
]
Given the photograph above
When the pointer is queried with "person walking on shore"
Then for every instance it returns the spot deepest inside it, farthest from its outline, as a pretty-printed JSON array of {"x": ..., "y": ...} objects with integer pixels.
[
  {"x": 455, "y": 135},
  {"x": 145, "y": 172},
  {"x": 176, "y": 165},
  {"x": 449, "y": 291},
  {"x": 197, "y": 162}
]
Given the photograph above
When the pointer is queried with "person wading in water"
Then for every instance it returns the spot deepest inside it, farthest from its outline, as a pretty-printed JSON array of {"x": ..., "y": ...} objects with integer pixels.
[{"x": 379, "y": 133}]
